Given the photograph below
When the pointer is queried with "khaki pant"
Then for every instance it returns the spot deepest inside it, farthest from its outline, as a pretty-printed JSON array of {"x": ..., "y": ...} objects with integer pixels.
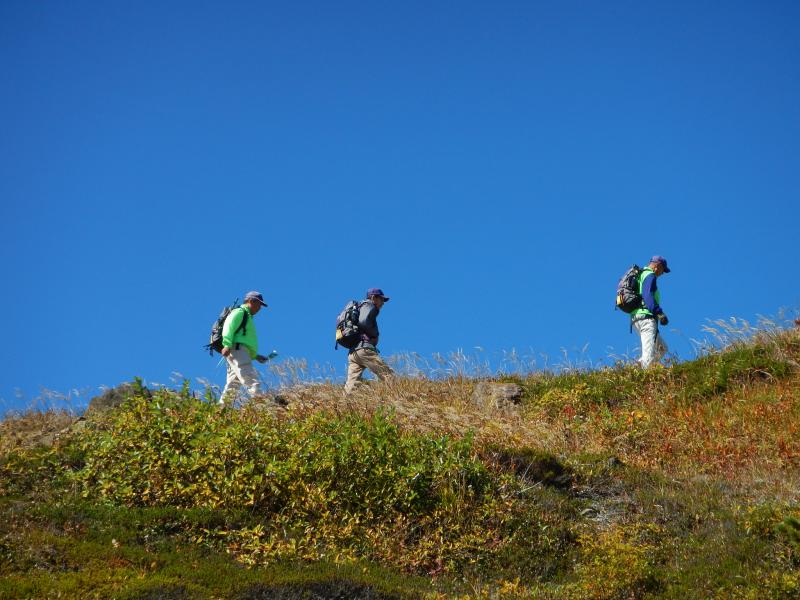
[
  {"x": 653, "y": 346},
  {"x": 240, "y": 372},
  {"x": 365, "y": 358}
]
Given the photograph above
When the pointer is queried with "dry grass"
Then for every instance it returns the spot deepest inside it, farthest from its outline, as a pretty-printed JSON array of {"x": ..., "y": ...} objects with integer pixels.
[
  {"x": 440, "y": 407},
  {"x": 32, "y": 428},
  {"x": 746, "y": 435}
]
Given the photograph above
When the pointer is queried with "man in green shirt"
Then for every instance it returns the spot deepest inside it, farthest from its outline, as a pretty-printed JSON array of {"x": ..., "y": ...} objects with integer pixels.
[
  {"x": 240, "y": 348},
  {"x": 647, "y": 318}
]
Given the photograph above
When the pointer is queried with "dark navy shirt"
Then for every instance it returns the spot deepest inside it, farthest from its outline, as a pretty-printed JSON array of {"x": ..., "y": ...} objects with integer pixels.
[{"x": 368, "y": 324}]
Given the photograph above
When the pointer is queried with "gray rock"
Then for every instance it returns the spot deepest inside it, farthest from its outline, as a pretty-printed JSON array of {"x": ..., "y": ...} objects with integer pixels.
[
  {"x": 48, "y": 439},
  {"x": 78, "y": 426},
  {"x": 270, "y": 401},
  {"x": 497, "y": 395},
  {"x": 112, "y": 398}
]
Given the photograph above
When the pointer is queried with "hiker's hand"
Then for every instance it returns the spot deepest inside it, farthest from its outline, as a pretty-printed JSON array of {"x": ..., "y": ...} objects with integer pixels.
[
  {"x": 225, "y": 351},
  {"x": 261, "y": 358},
  {"x": 662, "y": 318}
]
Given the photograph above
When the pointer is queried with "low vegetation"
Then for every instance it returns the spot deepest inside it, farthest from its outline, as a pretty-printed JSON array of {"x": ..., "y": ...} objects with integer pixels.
[{"x": 680, "y": 482}]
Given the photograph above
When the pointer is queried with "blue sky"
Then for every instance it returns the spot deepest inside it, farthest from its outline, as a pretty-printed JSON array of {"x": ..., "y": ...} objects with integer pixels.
[{"x": 495, "y": 167}]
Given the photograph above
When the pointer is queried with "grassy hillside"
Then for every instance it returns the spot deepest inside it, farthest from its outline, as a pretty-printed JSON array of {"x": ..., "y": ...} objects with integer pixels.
[{"x": 679, "y": 482}]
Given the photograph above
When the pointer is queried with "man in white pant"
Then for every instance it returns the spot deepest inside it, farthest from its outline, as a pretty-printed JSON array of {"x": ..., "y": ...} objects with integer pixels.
[
  {"x": 240, "y": 348},
  {"x": 647, "y": 318}
]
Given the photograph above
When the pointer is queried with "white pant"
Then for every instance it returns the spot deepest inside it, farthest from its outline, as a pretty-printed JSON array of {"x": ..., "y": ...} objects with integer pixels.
[
  {"x": 653, "y": 346},
  {"x": 240, "y": 372}
]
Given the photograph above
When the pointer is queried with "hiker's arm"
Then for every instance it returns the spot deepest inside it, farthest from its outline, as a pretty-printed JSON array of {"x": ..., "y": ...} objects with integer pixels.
[
  {"x": 229, "y": 328},
  {"x": 649, "y": 295},
  {"x": 367, "y": 323}
]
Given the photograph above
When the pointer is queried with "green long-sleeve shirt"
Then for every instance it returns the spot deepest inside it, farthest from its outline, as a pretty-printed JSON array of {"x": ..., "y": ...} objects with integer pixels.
[{"x": 246, "y": 337}]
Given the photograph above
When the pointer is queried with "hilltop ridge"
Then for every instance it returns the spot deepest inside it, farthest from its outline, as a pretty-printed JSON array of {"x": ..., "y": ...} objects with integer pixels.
[{"x": 677, "y": 482}]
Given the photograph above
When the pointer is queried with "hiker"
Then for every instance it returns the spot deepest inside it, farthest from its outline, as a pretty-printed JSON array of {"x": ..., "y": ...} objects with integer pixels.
[
  {"x": 364, "y": 355},
  {"x": 647, "y": 318},
  {"x": 240, "y": 348}
]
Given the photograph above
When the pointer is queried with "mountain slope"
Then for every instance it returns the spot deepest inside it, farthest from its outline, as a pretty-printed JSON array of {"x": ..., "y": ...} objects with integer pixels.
[{"x": 679, "y": 482}]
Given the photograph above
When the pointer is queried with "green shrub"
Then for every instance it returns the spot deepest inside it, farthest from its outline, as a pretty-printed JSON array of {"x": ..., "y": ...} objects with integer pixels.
[
  {"x": 790, "y": 528},
  {"x": 30, "y": 470},
  {"x": 180, "y": 452},
  {"x": 688, "y": 381},
  {"x": 326, "y": 486},
  {"x": 616, "y": 564},
  {"x": 716, "y": 373}
]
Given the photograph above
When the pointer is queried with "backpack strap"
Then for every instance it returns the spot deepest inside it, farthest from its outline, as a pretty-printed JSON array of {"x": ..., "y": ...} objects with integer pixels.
[{"x": 243, "y": 325}]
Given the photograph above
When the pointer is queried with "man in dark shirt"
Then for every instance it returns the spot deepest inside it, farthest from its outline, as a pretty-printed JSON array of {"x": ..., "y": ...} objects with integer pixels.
[{"x": 365, "y": 354}]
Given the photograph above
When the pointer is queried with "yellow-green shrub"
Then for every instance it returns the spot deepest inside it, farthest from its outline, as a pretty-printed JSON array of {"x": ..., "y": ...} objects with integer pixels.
[
  {"x": 325, "y": 486},
  {"x": 614, "y": 565},
  {"x": 169, "y": 450}
]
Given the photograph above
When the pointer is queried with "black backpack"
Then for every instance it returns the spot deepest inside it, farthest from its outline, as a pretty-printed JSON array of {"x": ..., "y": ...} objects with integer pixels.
[
  {"x": 216, "y": 329},
  {"x": 628, "y": 296},
  {"x": 347, "y": 332}
]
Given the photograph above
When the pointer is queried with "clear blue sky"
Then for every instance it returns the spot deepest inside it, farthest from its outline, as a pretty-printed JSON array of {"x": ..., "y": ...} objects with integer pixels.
[{"x": 494, "y": 166}]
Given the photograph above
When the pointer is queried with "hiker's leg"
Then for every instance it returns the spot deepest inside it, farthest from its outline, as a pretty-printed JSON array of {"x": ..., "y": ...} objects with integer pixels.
[
  {"x": 247, "y": 372},
  {"x": 232, "y": 384},
  {"x": 373, "y": 361},
  {"x": 240, "y": 363},
  {"x": 647, "y": 332},
  {"x": 355, "y": 370}
]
